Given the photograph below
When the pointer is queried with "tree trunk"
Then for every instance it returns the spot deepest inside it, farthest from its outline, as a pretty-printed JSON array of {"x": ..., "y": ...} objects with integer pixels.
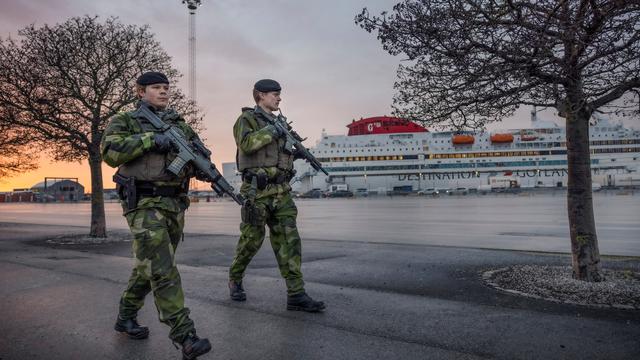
[
  {"x": 584, "y": 242},
  {"x": 98, "y": 222}
]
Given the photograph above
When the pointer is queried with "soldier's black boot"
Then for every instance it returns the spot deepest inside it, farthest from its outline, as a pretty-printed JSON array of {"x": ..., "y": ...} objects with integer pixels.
[
  {"x": 236, "y": 291},
  {"x": 131, "y": 328},
  {"x": 193, "y": 346},
  {"x": 303, "y": 302}
]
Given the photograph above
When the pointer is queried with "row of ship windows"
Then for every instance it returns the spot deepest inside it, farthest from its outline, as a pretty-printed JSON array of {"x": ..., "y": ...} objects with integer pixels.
[
  {"x": 509, "y": 164},
  {"x": 373, "y": 143},
  {"x": 484, "y": 140},
  {"x": 473, "y": 155},
  {"x": 615, "y": 142},
  {"x": 426, "y": 148},
  {"x": 374, "y": 150},
  {"x": 518, "y": 145},
  {"x": 530, "y": 153},
  {"x": 526, "y": 145},
  {"x": 497, "y": 153},
  {"x": 448, "y": 139}
]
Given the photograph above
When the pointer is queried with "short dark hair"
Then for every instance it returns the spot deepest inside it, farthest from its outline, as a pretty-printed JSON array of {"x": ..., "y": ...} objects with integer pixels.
[
  {"x": 140, "y": 88},
  {"x": 256, "y": 95}
]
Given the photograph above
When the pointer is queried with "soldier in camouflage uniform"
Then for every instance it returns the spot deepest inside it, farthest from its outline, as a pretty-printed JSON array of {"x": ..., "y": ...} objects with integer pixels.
[
  {"x": 267, "y": 168},
  {"x": 156, "y": 214}
]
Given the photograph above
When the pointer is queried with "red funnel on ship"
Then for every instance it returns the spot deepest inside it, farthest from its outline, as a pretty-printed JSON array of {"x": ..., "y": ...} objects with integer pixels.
[{"x": 383, "y": 125}]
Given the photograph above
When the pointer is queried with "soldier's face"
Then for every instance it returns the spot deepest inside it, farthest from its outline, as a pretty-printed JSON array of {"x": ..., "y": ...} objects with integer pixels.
[
  {"x": 157, "y": 95},
  {"x": 270, "y": 101}
]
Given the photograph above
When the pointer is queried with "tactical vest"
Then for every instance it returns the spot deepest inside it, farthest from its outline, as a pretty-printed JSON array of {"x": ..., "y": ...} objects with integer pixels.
[
  {"x": 151, "y": 166},
  {"x": 267, "y": 156}
]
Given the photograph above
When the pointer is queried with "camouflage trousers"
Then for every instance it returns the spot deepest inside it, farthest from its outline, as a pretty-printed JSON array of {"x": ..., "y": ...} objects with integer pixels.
[
  {"x": 156, "y": 234},
  {"x": 279, "y": 213}
]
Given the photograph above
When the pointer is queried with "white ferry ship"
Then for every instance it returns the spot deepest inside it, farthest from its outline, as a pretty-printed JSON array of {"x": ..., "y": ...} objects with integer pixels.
[{"x": 382, "y": 154}]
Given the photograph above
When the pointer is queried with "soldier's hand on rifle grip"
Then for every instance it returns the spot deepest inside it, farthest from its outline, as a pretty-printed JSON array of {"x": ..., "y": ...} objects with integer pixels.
[
  {"x": 202, "y": 176},
  {"x": 297, "y": 155},
  {"x": 163, "y": 143},
  {"x": 275, "y": 131}
]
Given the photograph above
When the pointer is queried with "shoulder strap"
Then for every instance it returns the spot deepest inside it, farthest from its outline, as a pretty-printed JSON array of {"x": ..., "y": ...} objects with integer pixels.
[
  {"x": 249, "y": 114},
  {"x": 131, "y": 120}
]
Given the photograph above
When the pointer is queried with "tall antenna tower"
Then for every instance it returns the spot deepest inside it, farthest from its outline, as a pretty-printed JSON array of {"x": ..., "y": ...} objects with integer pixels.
[{"x": 192, "y": 5}]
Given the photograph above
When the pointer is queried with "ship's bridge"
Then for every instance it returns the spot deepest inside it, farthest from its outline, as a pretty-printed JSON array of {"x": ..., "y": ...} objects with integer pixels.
[{"x": 383, "y": 125}]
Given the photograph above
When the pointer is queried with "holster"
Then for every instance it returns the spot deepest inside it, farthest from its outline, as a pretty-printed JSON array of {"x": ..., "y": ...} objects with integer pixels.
[
  {"x": 126, "y": 187},
  {"x": 249, "y": 213},
  {"x": 258, "y": 181}
]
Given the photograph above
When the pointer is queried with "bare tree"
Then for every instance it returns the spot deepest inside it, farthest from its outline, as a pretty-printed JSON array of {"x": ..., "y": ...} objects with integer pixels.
[
  {"x": 16, "y": 156},
  {"x": 470, "y": 62},
  {"x": 63, "y": 83}
]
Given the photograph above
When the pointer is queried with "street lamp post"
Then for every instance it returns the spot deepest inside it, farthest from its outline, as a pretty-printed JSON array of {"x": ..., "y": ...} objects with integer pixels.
[{"x": 192, "y": 5}]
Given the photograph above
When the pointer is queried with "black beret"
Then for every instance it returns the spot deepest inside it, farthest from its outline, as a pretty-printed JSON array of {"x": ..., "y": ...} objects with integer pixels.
[
  {"x": 152, "y": 77},
  {"x": 267, "y": 85}
]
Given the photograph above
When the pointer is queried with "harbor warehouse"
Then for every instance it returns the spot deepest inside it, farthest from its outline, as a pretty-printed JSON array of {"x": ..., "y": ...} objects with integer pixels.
[{"x": 58, "y": 190}]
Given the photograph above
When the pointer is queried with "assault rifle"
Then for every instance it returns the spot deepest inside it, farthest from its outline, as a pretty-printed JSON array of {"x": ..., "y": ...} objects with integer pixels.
[
  {"x": 294, "y": 141},
  {"x": 194, "y": 152}
]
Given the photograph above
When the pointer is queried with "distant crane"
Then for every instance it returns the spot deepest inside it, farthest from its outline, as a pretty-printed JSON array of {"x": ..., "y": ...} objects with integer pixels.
[{"x": 192, "y": 5}]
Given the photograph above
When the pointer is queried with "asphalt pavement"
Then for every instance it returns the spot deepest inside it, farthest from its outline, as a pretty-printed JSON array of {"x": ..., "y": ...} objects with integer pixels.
[{"x": 384, "y": 301}]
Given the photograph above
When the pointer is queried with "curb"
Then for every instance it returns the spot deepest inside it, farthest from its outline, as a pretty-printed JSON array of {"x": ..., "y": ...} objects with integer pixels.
[{"x": 487, "y": 278}]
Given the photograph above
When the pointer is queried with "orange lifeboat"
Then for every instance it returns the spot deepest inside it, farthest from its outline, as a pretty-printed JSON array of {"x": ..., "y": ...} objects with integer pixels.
[
  {"x": 463, "y": 139},
  {"x": 501, "y": 138}
]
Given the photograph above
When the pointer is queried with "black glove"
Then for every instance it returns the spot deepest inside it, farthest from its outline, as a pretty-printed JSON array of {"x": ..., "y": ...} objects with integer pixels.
[
  {"x": 201, "y": 175},
  {"x": 164, "y": 144},
  {"x": 297, "y": 155}
]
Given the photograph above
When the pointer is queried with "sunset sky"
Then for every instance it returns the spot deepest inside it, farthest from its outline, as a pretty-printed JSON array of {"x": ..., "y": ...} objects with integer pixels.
[{"x": 331, "y": 70}]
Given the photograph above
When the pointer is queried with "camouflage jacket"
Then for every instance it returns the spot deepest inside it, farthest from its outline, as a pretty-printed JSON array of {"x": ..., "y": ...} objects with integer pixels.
[
  {"x": 250, "y": 138},
  {"x": 124, "y": 140}
]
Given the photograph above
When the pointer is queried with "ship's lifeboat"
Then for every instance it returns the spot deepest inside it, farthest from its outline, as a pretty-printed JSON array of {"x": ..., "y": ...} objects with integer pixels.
[
  {"x": 501, "y": 138},
  {"x": 463, "y": 139},
  {"x": 528, "y": 135}
]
